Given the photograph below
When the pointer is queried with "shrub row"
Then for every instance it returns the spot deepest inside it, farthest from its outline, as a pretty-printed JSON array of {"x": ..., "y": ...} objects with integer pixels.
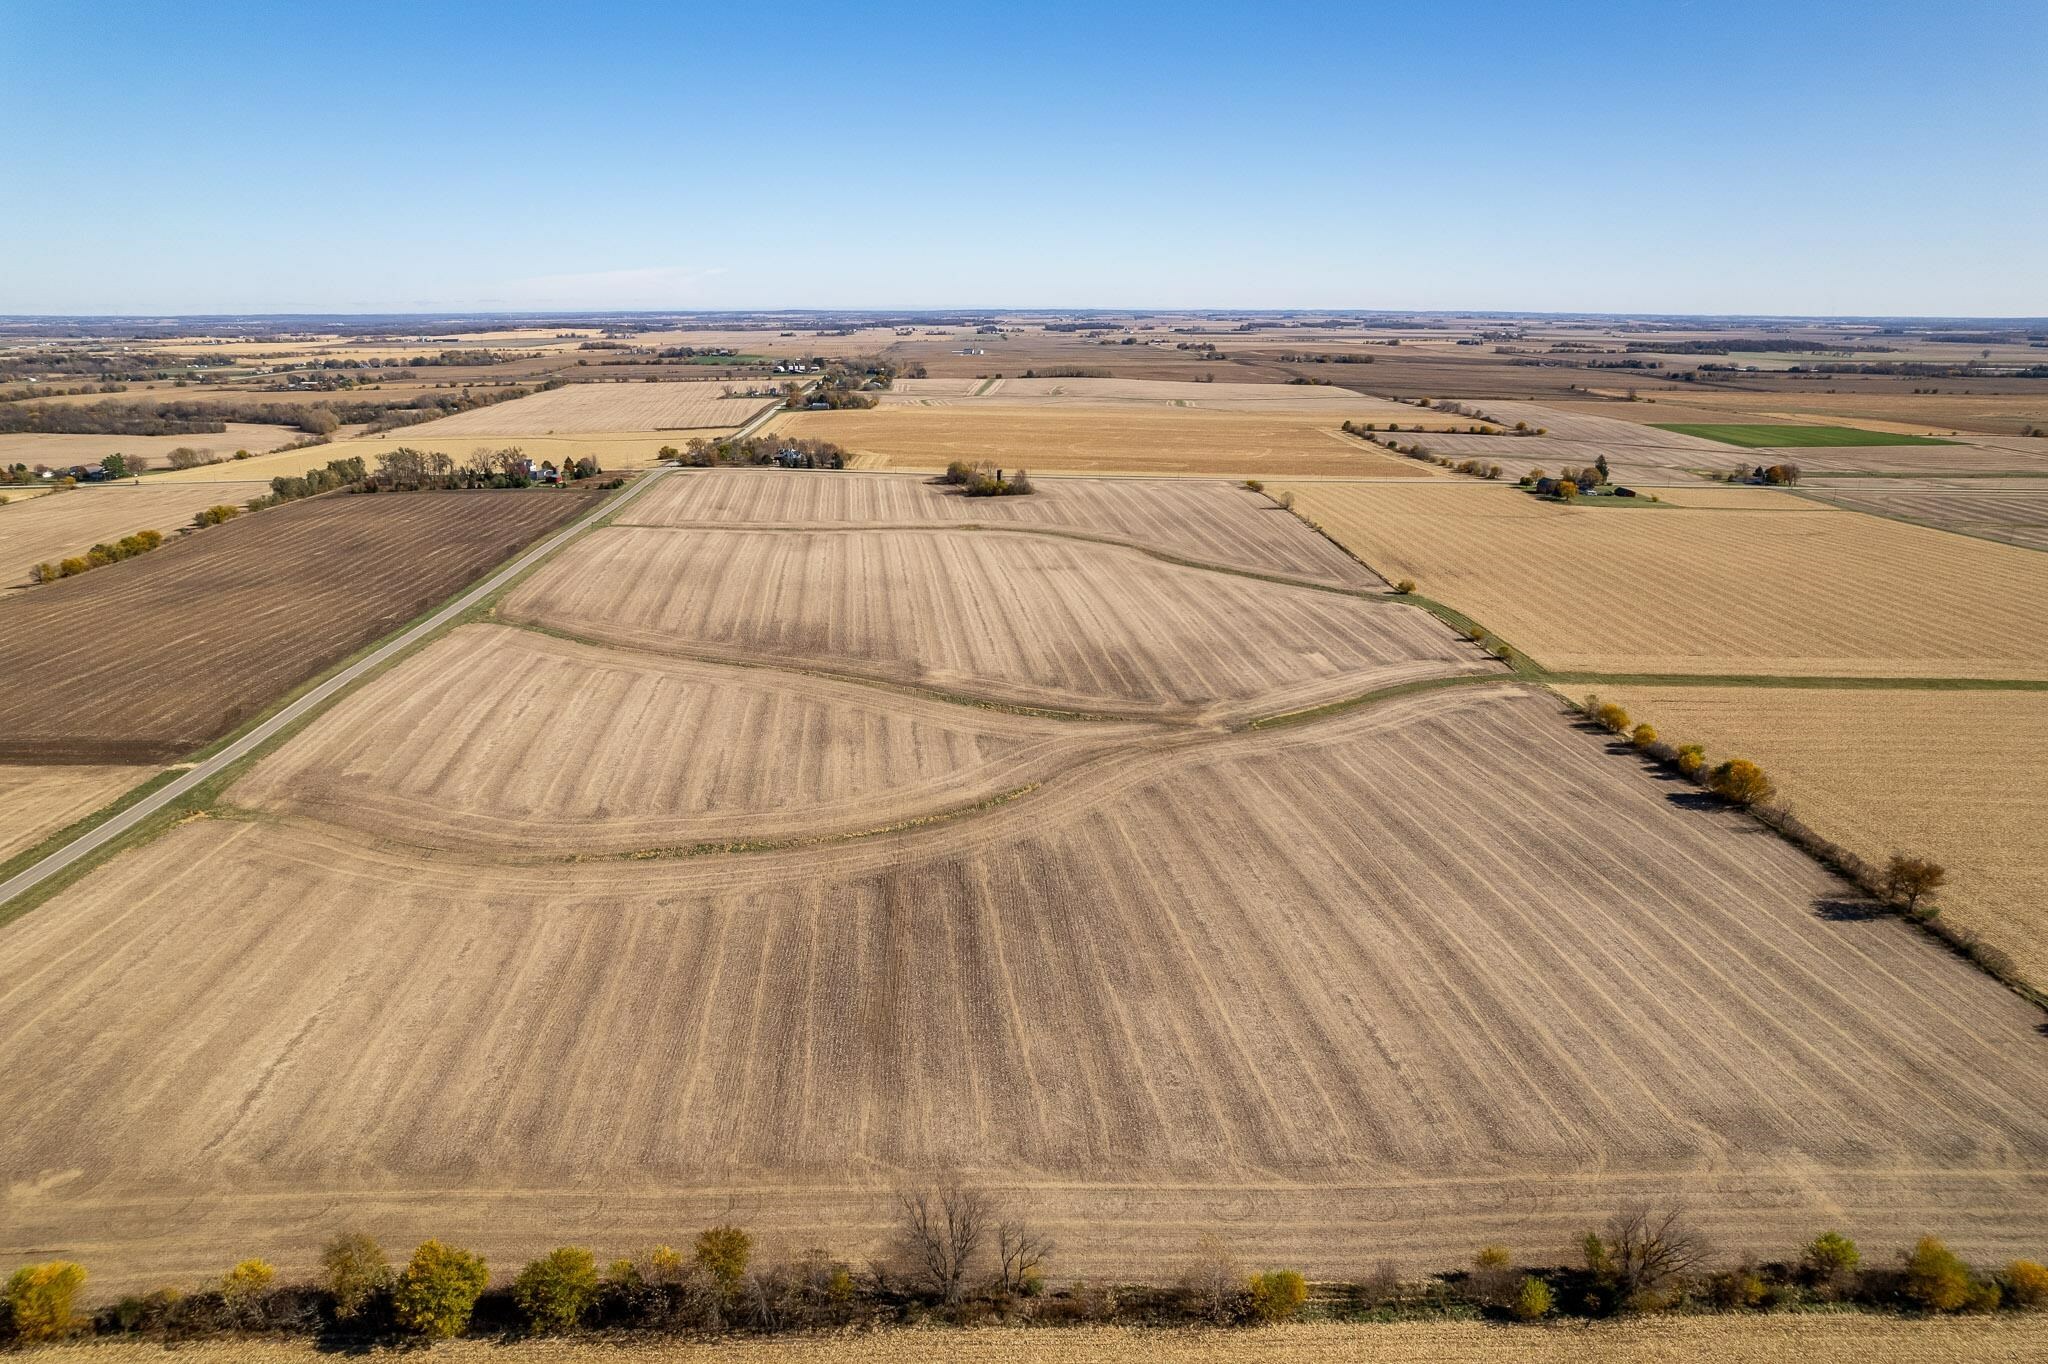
[
  {"x": 957, "y": 1258},
  {"x": 1904, "y": 883},
  {"x": 99, "y": 556}
]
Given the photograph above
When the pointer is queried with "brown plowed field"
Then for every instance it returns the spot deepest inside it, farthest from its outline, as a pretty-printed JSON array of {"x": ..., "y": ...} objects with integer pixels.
[
  {"x": 1717, "y": 590},
  {"x": 1941, "y": 774},
  {"x": 1743, "y": 1338},
  {"x": 1202, "y": 519},
  {"x": 37, "y": 800},
  {"x": 583, "y": 408},
  {"x": 1436, "y": 973},
  {"x": 507, "y": 739},
  {"x": 151, "y": 657},
  {"x": 1026, "y": 619},
  {"x": 1146, "y": 439},
  {"x": 52, "y": 528}
]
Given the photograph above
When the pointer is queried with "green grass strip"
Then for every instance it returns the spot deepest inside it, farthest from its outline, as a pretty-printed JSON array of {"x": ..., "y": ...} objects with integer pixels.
[{"x": 1759, "y": 437}]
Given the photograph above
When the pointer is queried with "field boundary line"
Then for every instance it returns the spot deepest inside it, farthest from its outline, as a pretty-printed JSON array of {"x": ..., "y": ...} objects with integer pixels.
[
  {"x": 1309, "y": 714},
  {"x": 205, "y": 775},
  {"x": 967, "y": 699},
  {"x": 1806, "y": 681}
]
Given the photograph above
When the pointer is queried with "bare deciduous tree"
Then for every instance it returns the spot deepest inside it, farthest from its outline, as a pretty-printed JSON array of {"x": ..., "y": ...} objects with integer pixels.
[
  {"x": 1213, "y": 1285},
  {"x": 942, "y": 1232},
  {"x": 1020, "y": 1252},
  {"x": 1645, "y": 1249}
]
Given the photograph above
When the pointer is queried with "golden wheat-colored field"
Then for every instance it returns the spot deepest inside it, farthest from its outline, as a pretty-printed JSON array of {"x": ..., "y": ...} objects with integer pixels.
[
  {"x": 590, "y": 409},
  {"x": 1029, "y": 620},
  {"x": 1202, "y": 519},
  {"x": 1050, "y": 438},
  {"x": 1744, "y": 1339},
  {"x": 1942, "y": 774},
  {"x": 61, "y": 452},
  {"x": 1716, "y": 589},
  {"x": 2000, "y": 414},
  {"x": 37, "y": 800},
  {"x": 54, "y": 527}
]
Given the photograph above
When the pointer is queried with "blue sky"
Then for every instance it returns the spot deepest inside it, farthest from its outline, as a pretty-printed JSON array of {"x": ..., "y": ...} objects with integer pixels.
[{"x": 1795, "y": 157}]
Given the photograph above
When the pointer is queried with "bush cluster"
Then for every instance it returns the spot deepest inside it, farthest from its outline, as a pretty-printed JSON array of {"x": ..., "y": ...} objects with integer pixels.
[
  {"x": 985, "y": 480},
  {"x": 959, "y": 1258},
  {"x": 99, "y": 556}
]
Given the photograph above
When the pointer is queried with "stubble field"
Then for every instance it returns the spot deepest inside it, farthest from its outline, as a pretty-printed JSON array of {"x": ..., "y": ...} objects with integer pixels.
[
  {"x": 594, "y": 408},
  {"x": 1720, "y": 590},
  {"x": 63, "y": 451},
  {"x": 1940, "y": 774},
  {"x": 2014, "y": 510},
  {"x": 1030, "y": 620},
  {"x": 1339, "y": 989},
  {"x": 52, "y": 528},
  {"x": 1051, "y": 438},
  {"x": 1337, "y": 404},
  {"x": 37, "y": 800},
  {"x": 535, "y": 940},
  {"x": 560, "y": 761},
  {"x": 148, "y": 658},
  {"x": 1202, "y": 519}
]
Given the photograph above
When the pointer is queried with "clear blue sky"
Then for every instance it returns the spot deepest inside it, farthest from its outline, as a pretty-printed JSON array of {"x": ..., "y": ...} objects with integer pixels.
[{"x": 1794, "y": 157}]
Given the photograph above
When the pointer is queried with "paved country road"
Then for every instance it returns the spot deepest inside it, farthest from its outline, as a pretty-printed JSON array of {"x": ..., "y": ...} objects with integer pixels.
[{"x": 86, "y": 843}]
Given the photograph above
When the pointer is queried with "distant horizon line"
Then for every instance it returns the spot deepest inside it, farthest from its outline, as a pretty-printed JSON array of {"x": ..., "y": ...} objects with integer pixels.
[{"x": 1019, "y": 310}]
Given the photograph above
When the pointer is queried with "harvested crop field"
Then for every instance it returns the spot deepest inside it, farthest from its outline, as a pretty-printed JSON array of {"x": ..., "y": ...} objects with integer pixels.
[
  {"x": 2004, "y": 414},
  {"x": 1941, "y": 774},
  {"x": 61, "y": 452},
  {"x": 1028, "y": 620},
  {"x": 581, "y": 408},
  {"x": 1703, "y": 590},
  {"x": 37, "y": 800},
  {"x": 1336, "y": 404},
  {"x": 1202, "y": 519},
  {"x": 1962, "y": 456},
  {"x": 1049, "y": 438},
  {"x": 1745, "y": 1338},
  {"x": 584, "y": 749},
  {"x": 148, "y": 658},
  {"x": 1339, "y": 990},
  {"x": 2013, "y": 510},
  {"x": 52, "y": 528}
]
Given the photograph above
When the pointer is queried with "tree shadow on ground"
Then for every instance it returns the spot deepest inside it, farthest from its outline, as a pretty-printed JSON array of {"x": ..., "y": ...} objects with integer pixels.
[
  {"x": 1696, "y": 800},
  {"x": 1848, "y": 909}
]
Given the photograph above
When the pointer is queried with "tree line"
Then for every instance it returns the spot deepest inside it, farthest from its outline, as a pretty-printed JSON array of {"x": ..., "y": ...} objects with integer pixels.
[
  {"x": 702, "y": 453},
  {"x": 957, "y": 1255},
  {"x": 189, "y": 417}
]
